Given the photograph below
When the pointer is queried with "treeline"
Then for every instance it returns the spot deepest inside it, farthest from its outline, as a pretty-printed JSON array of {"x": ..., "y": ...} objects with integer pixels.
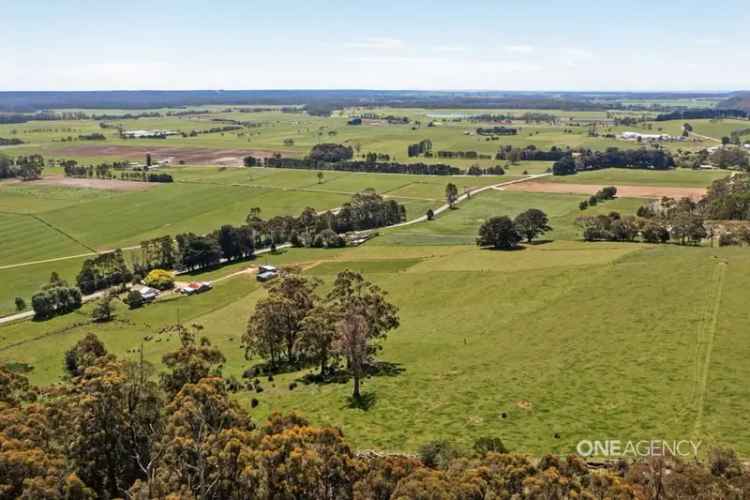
[
  {"x": 212, "y": 130},
  {"x": 363, "y": 166},
  {"x": 530, "y": 153},
  {"x": 94, "y": 136},
  {"x": 477, "y": 170},
  {"x": 497, "y": 131},
  {"x": 10, "y": 142},
  {"x": 100, "y": 171},
  {"x": 703, "y": 113},
  {"x": 103, "y": 271},
  {"x": 604, "y": 194},
  {"x": 423, "y": 147},
  {"x": 71, "y": 115},
  {"x": 146, "y": 177},
  {"x": 650, "y": 159},
  {"x": 24, "y": 167},
  {"x": 469, "y": 155},
  {"x": 683, "y": 221},
  {"x": 117, "y": 428},
  {"x": 55, "y": 297},
  {"x": 391, "y": 119},
  {"x": 366, "y": 210},
  {"x": 678, "y": 221},
  {"x": 529, "y": 117},
  {"x": 71, "y": 168}
]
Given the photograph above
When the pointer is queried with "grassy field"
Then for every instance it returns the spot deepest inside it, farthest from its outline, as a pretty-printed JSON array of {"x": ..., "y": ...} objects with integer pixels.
[
  {"x": 556, "y": 342},
  {"x": 273, "y": 130},
  {"x": 486, "y": 334}
]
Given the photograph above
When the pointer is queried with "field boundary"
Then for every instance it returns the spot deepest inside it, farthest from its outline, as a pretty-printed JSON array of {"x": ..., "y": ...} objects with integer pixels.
[{"x": 54, "y": 228}]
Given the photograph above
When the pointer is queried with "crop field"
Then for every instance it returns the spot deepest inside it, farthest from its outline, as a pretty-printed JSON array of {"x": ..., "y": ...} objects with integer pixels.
[{"x": 558, "y": 341}]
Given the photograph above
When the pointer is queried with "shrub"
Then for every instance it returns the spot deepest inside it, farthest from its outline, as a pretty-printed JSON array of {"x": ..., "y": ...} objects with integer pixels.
[
  {"x": 20, "y": 304},
  {"x": 485, "y": 445},
  {"x": 134, "y": 300},
  {"x": 104, "y": 310},
  {"x": 328, "y": 239},
  {"x": 159, "y": 279},
  {"x": 438, "y": 454}
]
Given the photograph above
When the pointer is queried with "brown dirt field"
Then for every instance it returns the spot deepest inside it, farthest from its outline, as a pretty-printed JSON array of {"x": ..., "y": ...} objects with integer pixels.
[
  {"x": 105, "y": 184},
  {"x": 622, "y": 191},
  {"x": 172, "y": 154}
]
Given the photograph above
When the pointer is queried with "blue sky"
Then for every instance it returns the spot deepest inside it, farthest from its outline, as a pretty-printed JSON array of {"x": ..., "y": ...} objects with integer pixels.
[{"x": 382, "y": 44}]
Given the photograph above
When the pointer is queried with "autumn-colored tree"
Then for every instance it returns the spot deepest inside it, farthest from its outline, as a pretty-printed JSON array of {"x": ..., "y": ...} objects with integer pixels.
[
  {"x": 293, "y": 460},
  {"x": 201, "y": 449},
  {"x": 382, "y": 476},
  {"x": 83, "y": 354},
  {"x": 107, "y": 421},
  {"x": 191, "y": 362}
]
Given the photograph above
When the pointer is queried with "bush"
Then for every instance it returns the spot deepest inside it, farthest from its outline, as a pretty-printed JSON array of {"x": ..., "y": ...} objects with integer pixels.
[
  {"x": 134, "y": 300},
  {"x": 328, "y": 239},
  {"x": 485, "y": 445},
  {"x": 160, "y": 279},
  {"x": 438, "y": 454},
  {"x": 20, "y": 304},
  {"x": 655, "y": 233},
  {"x": 104, "y": 310},
  {"x": 583, "y": 205}
]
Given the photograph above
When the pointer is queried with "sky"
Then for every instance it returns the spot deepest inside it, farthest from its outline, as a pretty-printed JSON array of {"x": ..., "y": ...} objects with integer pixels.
[{"x": 603, "y": 45}]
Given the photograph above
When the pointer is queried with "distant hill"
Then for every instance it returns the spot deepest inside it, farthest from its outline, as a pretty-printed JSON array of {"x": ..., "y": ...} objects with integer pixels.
[
  {"x": 739, "y": 100},
  {"x": 323, "y": 101}
]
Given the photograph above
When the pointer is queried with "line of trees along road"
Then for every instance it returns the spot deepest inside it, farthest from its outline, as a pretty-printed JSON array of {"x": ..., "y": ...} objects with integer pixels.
[
  {"x": 24, "y": 167},
  {"x": 648, "y": 159}
]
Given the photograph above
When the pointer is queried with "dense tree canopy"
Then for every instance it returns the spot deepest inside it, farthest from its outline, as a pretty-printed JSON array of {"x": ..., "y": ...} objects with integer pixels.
[{"x": 500, "y": 233}]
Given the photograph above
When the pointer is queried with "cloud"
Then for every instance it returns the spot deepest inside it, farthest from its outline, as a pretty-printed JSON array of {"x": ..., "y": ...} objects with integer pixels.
[
  {"x": 378, "y": 43},
  {"x": 449, "y": 48},
  {"x": 573, "y": 57},
  {"x": 708, "y": 42},
  {"x": 519, "y": 49}
]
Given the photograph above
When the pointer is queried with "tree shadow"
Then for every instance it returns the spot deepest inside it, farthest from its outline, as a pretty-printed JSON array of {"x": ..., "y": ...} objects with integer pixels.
[
  {"x": 331, "y": 376},
  {"x": 385, "y": 369},
  {"x": 264, "y": 369},
  {"x": 539, "y": 242},
  {"x": 516, "y": 248},
  {"x": 337, "y": 375},
  {"x": 364, "y": 402}
]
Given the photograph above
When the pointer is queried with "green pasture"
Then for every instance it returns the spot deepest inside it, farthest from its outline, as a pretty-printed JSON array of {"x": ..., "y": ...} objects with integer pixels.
[{"x": 542, "y": 347}]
